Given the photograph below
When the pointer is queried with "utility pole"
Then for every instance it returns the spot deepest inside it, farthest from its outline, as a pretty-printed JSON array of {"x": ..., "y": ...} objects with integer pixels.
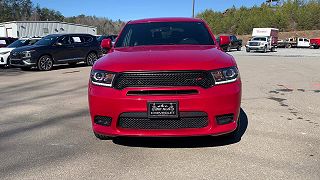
[{"x": 193, "y": 1}]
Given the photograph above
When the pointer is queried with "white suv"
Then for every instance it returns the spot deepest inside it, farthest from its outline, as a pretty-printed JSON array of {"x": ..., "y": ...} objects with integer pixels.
[{"x": 5, "y": 52}]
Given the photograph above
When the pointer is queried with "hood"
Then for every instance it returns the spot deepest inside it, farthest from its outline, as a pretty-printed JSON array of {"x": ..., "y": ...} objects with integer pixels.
[
  {"x": 161, "y": 58},
  {"x": 5, "y": 49},
  {"x": 25, "y": 48}
]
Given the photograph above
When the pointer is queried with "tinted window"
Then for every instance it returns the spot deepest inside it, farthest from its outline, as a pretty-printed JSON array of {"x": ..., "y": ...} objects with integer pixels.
[
  {"x": 259, "y": 39},
  {"x": 48, "y": 40},
  {"x": 65, "y": 40},
  {"x": 87, "y": 39},
  {"x": 165, "y": 33},
  {"x": 19, "y": 43}
]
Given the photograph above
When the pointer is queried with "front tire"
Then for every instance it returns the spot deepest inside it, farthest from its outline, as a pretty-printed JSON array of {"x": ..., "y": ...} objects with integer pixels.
[
  {"x": 91, "y": 58},
  {"x": 239, "y": 48},
  {"x": 45, "y": 63},
  {"x": 228, "y": 48},
  {"x": 248, "y": 49},
  {"x": 265, "y": 49}
]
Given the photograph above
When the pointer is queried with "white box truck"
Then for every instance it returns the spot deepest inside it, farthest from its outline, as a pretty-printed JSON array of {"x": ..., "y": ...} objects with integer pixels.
[{"x": 263, "y": 39}]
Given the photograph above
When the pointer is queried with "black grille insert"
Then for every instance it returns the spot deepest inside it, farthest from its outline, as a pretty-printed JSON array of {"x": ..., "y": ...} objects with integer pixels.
[
  {"x": 140, "y": 120},
  {"x": 159, "y": 79},
  {"x": 161, "y": 92}
]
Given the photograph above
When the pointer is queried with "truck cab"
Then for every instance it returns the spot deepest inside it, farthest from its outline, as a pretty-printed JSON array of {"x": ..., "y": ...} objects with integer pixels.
[
  {"x": 263, "y": 39},
  {"x": 262, "y": 43}
]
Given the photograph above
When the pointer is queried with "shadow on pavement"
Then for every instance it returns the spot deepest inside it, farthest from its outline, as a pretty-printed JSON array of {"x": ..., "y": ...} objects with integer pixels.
[{"x": 185, "y": 142}]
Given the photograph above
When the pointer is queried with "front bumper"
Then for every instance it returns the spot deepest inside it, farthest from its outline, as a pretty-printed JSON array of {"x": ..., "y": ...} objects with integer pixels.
[
  {"x": 255, "y": 47},
  {"x": 4, "y": 59},
  {"x": 24, "y": 62},
  {"x": 215, "y": 101}
]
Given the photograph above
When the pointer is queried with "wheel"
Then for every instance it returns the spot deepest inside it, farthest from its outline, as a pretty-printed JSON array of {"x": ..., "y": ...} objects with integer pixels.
[
  {"x": 273, "y": 49},
  {"x": 239, "y": 48},
  {"x": 91, "y": 58},
  {"x": 248, "y": 49},
  {"x": 45, "y": 63},
  {"x": 289, "y": 46},
  {"x": 265, "y": 49},
  {"x": 228, "y": 48},
  {"x": 25, "y": 68},
  {"x": 102, "y": 137}
]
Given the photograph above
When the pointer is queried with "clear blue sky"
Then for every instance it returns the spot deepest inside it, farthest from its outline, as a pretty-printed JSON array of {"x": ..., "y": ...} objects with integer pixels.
[{"x": 137, "y": 9}]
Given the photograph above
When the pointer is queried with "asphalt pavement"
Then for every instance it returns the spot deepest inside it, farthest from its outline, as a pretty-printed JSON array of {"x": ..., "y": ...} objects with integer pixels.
[{"x": 45, "y": 128}]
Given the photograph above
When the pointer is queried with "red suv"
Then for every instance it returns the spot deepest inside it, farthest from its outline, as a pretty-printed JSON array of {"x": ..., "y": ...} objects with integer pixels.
[{"x": 164, "y": 77}]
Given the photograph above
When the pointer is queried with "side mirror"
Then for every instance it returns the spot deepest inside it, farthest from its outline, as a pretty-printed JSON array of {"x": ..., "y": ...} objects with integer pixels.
[{"x": 106, "y": 44}]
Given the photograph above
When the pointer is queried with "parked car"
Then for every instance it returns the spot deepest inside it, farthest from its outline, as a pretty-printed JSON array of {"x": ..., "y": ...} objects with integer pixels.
[
  {"x": 57, "y": 49},
  {"x": 263, "y": 39},
  {"x": 228, "y": 42},
  {"x": 295, "y": 42},
  {"x": 164, "y": 77},
  {"x": 5, "y": 52},
  {"x": 6, "y": 41},
  {"x": 315, "y": 43}
]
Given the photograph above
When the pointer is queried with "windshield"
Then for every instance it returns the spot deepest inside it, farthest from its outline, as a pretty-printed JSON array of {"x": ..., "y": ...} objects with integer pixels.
[
  {"x": 22, "y": 42},
  {"x": 259, "y": 39},
  {"x": 165, "y": 33},
  {"x": 48, "y": 40}
]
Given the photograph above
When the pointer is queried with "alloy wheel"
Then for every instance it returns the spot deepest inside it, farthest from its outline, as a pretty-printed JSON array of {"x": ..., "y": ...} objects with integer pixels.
[
  {"x": 91, "y": 59},
  {"x": 45, "y": 63}
]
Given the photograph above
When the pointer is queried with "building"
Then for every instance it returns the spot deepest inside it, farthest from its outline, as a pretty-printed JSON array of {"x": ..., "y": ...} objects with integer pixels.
[{"x": 19, "y": 29}]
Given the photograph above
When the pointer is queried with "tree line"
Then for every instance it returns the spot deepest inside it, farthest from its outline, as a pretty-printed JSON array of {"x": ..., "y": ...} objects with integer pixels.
[
  {"x": 25, "y": 10},
  {"x": 287, "y": 15}
]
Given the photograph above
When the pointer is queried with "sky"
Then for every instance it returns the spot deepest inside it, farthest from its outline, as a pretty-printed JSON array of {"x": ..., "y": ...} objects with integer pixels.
[{"x": 137, "y": 9}]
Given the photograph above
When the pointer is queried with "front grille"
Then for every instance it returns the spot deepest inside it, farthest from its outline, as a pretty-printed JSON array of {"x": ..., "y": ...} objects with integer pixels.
[
  {"x": 161, "y": 79},
  {"x": 140, "y": 120},
  {"x": 161, "y": 92},
  {"x": 18, "y": 62},
  {"x": 253, "y": 43},
  {"x": 16, "y": 55}
]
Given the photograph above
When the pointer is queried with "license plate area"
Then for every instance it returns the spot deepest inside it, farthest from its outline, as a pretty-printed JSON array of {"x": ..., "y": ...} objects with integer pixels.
[{"x": 163, "y": 109}]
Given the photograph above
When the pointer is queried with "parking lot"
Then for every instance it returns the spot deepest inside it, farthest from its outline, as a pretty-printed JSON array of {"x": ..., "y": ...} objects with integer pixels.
[{"x": 45, "y": 128}]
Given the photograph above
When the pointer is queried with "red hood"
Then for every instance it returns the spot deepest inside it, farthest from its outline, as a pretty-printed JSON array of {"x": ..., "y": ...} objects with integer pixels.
[{"x": 164, "y": 58}]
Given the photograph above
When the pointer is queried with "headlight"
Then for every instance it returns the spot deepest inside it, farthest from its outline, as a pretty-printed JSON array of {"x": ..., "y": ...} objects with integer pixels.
[
  {"x": 101, "y": 78},
  {"x": 27, "y": 54},
  {"x": 4, "y": 52},
  {"x": 226, "y": 75}
]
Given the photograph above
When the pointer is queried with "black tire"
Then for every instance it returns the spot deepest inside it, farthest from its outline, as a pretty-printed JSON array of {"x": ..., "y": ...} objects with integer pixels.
[
  {"x": 91, "y": 58},
  {"x": 25, "y": 68},
  {"x": 289, "y": 46},
  {"x": 102, "y": 137},
  {"x": 228, "y": 48},
  {"x": 273, "y": 49},
  {"x": 248, "y": 49},
  {"x": 265, "y": 49},
  {"x": 45, "y": 63},
  {"x": 239, "y": 48}
]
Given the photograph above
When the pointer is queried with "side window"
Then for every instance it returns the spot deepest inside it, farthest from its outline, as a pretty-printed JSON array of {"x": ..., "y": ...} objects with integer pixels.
[
  {"x": 65, "y": 40},
  {"x": 76, "y": 39},
  {"x": 87, "y": 39},
  {"x": 300, "y": 39},
  {"x": 306, "y": 40}
]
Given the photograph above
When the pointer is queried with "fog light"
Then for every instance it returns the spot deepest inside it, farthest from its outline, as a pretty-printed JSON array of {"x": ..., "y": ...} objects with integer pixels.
[
  {"x": 225, "y": 119},
  {"x": 103, "y": 120}
]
